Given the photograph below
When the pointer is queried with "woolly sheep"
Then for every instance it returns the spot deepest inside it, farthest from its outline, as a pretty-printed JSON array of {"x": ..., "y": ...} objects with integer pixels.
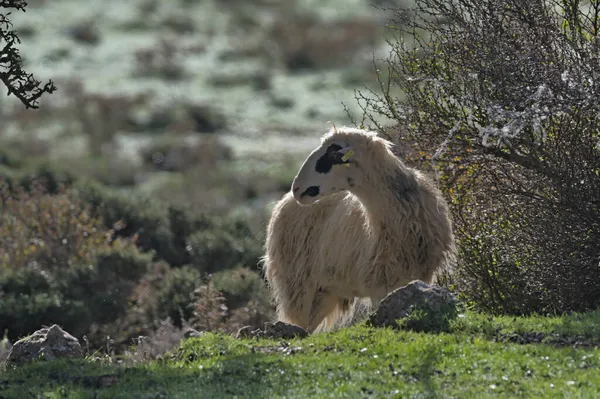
[{"x": 357, "y": 223}]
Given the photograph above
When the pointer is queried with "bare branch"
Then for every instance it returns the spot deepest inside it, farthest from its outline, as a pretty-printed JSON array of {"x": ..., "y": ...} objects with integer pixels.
[{"x": 17, "y": 81}]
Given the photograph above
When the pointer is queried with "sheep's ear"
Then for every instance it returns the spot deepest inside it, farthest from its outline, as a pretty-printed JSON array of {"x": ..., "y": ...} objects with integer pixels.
[{"x": 346, "y": 155}]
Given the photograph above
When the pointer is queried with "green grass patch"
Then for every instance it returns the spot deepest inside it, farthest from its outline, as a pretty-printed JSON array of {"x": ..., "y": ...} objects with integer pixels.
[
  {"x": 355, "y": 362},
  {"x": 575, "y": 328}
]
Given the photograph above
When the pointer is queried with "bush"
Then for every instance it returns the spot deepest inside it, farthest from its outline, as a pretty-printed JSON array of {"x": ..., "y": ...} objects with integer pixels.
[
  {"x": 239, "y": 286},
  {"x": 60, "y": 265},
  {"x": 213, "y": 250},
  {"x": 500, "y": 100},
  {"x": 175, "y": 234},
  {"x": 182, "y": 297},
  {"x": 25, "y": 177},
  {"x": 209, "y": 308},
  {"x": 83, "y": 259},
  {"x": 176, "y": 294}
]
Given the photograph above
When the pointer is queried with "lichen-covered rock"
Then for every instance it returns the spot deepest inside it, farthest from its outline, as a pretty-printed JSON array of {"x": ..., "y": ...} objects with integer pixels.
[
  {"x": 277, "y": 330},
  {"x": 47, "y": 343},
  {"x": 417, "y": 306}
]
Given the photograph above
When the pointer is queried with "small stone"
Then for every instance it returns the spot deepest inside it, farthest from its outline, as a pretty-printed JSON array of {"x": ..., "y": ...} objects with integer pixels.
[
  {"x": 48, "y": 344},
  {"x": 191, "y": 333}
]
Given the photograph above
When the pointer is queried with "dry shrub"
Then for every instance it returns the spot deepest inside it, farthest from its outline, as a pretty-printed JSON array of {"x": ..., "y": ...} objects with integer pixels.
[
  {"x": 212, "y": 313},
  {"x": 156, "y": 344},
  {"x": 210, "y": 309},
  {"x": 501, "y": 102}
]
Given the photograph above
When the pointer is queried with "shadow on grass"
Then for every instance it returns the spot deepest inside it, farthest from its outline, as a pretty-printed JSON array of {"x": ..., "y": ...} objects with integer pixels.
[
  {"x": 581, "y": 324},
  {"x": 575, "y": 329},
  {"x": 429, "y": 360},
  {"x": 250, "y": 375}
]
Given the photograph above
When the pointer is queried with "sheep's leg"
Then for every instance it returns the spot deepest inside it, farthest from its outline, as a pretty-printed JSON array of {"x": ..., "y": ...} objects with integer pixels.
[
  {"x": 376, "y": 299},
  {"x": 296, "y": 308},
  {"x": 322, "y": 306}
]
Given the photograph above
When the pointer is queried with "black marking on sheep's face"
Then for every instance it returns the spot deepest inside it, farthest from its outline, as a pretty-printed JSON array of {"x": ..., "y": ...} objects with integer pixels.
[
  {"x": 331, "y": 157},
  {"x": 312, "y": 191}
]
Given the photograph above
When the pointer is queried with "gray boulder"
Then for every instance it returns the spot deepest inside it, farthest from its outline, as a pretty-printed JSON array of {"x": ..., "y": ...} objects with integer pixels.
[
  {"x": 417, "y": 306},
  {"x": 47, "y": 343}
]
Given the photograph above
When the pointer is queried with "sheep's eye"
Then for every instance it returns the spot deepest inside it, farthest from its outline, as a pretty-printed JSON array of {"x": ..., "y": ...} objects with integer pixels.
[
  {"x": 333, "y": 151},
  {"x": 337, "y": 158},
  {"x": 331, "y": 157},
  {"x": 335, "y": 155}
]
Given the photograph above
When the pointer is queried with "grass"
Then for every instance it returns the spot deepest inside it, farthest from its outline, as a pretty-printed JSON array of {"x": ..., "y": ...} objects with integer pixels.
[{"x": 357, "y": 362}]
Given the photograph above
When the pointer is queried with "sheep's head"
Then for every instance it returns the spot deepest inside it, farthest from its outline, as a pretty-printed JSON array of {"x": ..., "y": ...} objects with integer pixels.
[{"x": 327, "y": 170}]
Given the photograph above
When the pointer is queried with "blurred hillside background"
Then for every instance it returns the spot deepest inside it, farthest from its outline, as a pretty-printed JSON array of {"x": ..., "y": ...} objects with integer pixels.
[{"x": 175, "y": 126}]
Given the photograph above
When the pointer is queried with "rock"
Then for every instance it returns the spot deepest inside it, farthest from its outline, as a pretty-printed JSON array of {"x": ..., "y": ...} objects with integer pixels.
[
  {"x": 191, "y": 333},
  {"x": 281, "y": 330},
  {"x": 246, "y": 332},
  {"x": 277, "y": 330},
  {"x": 417, "y": 306},
  {"x": 47, "y": 343}
]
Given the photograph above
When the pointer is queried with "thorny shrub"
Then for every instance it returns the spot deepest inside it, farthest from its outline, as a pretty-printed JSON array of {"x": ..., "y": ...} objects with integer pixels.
[{"x": 500, "y": 100}]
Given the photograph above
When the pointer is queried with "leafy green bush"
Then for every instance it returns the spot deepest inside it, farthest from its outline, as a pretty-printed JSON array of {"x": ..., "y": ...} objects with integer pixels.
[
  {"x": 60, "y": 265},
  {"x": 500, "y": 99},
  {"x": 21, "y": 176},
  {"x": 213, "y": 250},
  {"x": 239, "y": 286},
  {"x": 175, "y": 234},
  {"x": 29, "y": 300},
  {"x": 103, "y": 263},
  {"x": 176, "y": 294}
]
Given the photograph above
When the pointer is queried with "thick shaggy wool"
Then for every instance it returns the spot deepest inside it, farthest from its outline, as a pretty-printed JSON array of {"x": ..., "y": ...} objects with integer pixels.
[{"x": 389, "y": 226}]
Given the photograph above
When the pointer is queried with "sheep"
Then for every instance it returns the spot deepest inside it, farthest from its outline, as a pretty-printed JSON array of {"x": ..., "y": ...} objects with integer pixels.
[{"x": 357, "y": 224}]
